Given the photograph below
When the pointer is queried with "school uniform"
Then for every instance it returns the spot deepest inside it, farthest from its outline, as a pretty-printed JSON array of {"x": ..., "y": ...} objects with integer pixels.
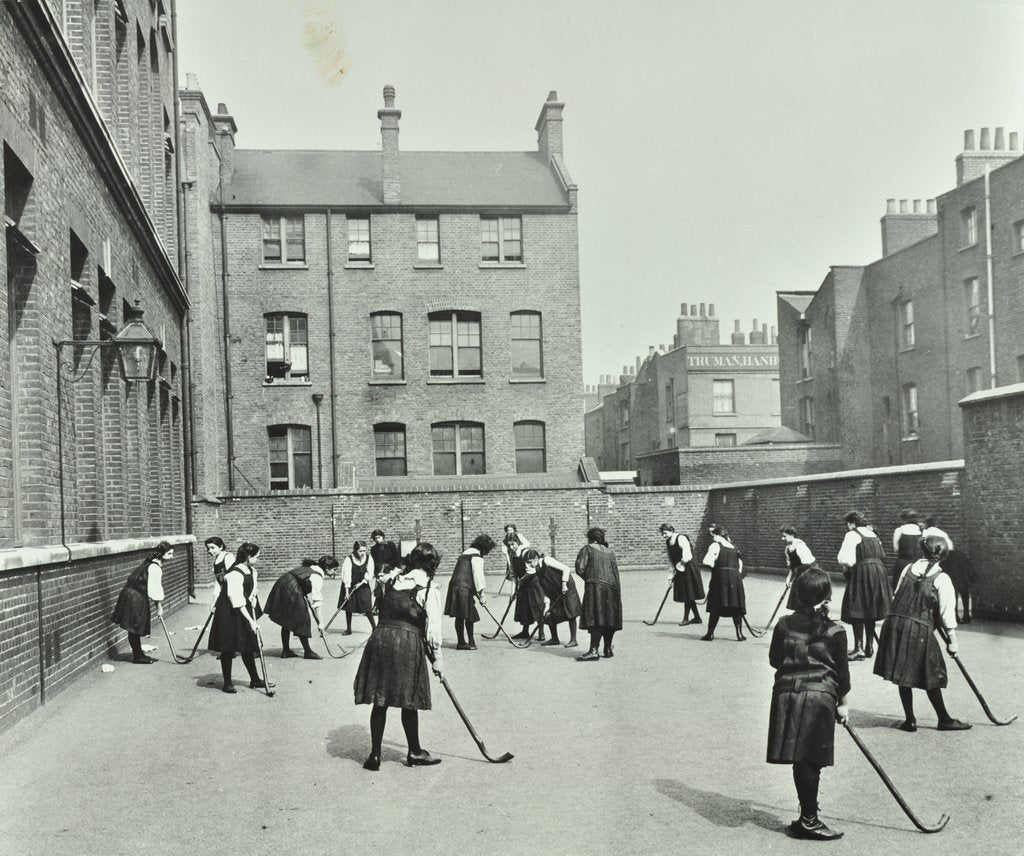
[
  {"x": 394, "y": 671},
  {"x": 868, "y": 595},
  {"x": 906, "y": 543},
  {"x": 352, "y": 574},
  {"x": 231, "y": 632},
  {"x": 602, "y": 596},
  {"x": 551, "y": 576},
  {"x": 220, "y": 567},
  {"x": 466, "y": 582},
  {"x": 385, "y": 555},
  {"x": 726, "y": 594},
  {"x": 286, "y": 603},
  {"x": 811, "y": 676},
  {"x": 909, "y": 655},
  {"x": 799, "y": 558},
  {"x": 687, "y": 584},
  {"x": 131, "y": 612},
  {"x": 529, "y": 595}
]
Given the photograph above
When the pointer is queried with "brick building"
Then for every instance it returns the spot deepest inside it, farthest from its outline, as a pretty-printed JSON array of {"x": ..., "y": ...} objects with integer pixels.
[
  {"x": 386, "y": 314},
  {"x": 700, "y": 393},
  {"x": 877, "y": 358},
  {"x": 91, "y": 469}
]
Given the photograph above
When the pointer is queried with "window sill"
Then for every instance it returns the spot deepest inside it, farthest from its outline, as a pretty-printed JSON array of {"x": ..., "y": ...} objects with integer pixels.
[
  {"x": 906, "y": 350},
  {"x": 807, "y": 379},
  {"x": 380, "y": 382},
  {"x": 288, "y": 383},
  {"x": 527, "y": 380},
  {"x": 292, "y": 266},
  {"x": 442, "y": 381},
  {"x": 968, "y": 247},
  {"x": 428, "y": 266},
  {"x": 732, "y": 414},
  {"x": 913, "y": 439},
  {"x": 359, "y": 266},
  {"x": 501, "y": 265},
  {"x": 972, "y": 335}
]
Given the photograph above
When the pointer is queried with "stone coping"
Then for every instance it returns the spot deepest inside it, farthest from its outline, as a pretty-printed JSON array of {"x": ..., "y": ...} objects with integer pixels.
[
  {"x": 1012, "y": 390},
  {"x": 59, "y": 554}
]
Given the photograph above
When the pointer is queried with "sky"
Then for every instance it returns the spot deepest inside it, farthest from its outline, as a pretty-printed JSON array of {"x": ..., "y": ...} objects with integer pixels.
[{"x": 724, "y": 150}]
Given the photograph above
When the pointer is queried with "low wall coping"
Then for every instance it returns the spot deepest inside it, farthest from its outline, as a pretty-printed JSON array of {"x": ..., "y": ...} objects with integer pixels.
[
  {"x": 985, "y": 395},
  {"x": 929, "y": 467},
  {"x": 765, "y": 448},
  {"x": 59, "y": 554}
]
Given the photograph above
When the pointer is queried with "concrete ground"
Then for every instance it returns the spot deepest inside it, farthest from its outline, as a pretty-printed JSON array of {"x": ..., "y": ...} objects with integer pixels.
[{"x": 659, "y": 750}]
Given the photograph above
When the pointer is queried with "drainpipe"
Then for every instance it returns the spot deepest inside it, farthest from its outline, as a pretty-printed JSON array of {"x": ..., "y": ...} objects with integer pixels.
[
  {"x": 330, "y": 340},
  {"x": 230, "y": 434},
  {"x": 989, "y": 284},
  {"x": 318, "y": 398}
]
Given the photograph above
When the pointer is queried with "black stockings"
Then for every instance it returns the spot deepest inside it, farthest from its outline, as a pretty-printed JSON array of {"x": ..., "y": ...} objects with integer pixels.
[
  {"x": 286, "y": 638},
  {"x": 464, "y": 631},
  {"x": 136, "y": 643},
  {"x": 806, "y": 777},
  {"x": 934, "y": 696},
  {"x": 250, "y": 666},
  {"x": 410, "y": 723},
  {"x": 690, "y": 608}
]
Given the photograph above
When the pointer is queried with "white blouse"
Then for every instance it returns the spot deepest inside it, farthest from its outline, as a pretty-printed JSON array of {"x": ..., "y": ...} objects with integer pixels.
[
  {"x": 934, "y": 530},
  {"x": 711, "y": 556},
  {"x": 684, "y": 545},
  {"x": 943, "y": 588},
  {"x": 476, "y": 561},
  {"x": 429, "y": 598},
  {"x": 347, "y": 567},
  {"x": 229, "y": 560},
  {"x": 803, "y": 553},
  {"x": 848, "y": 551},
  {"x": 154, "y": 585},
  {"x": 905, "y": 529}
]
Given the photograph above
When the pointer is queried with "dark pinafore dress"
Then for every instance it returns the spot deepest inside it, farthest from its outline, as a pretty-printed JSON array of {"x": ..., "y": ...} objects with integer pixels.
[
  {"x": 459, "y": 599},
  {"x": 562, "y": 608},
  {"x": 602, "y": 597},
  {"x": 868, "y": 595},
  {"x": 361, "y": 602},
  {"x": 796, "y": 569},
  {"x": 394, "y": 671},
  {"x": 131, "y": 612},
  {"x": 811, "y": 675},
  {"x": 687, "y": 584},
  {"x": 726, "y": 594},
  {"x": 286, "y": 603},
  {"x": 908, "y": 551},
  {"x": 908, "y": 652},
  {"x": 230, "y": 632}
]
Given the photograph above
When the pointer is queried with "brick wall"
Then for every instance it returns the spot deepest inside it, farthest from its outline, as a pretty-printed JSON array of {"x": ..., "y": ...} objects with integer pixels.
[{"x": 713, "y": 465}]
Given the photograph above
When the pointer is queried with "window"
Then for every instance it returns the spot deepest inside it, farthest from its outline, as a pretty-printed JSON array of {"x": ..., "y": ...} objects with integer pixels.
[
  {"x": 906, "y": 325},
  {"x": 428, "y": 242},
  {"x": 725, "y": 440},
  {"x": 530, "y": 449},
  {"x": 287, "y": 348},
  {"x": 389, "y": 448},
  {"x": 501, "y": 239},
  {"x": 458, "y": 448},
  {"x": 723, "y": 396},
  {"x": 804, "y": 337},
  {"x": 527, "y": 350},
  {"x": 624, "y": 414},
  {"x": 969, "y": 222},
  {"x": 909, "y": 401},
  {"x": 386, "y": 345},
  {"x": 972, "y": 299},
  {"x": 284, "y": 240},
  {"x": 291, "y": 457},
  {"x": 455, "y": 344},
  {"x": 974, "y": 381},
  {"x": 670, "y": 402},
  {"x": 1020, "y": 368},
  {"x": 1018, "y": 237},
  {"x": 359, "y": 239},
  {"x": 807, "y": 416}
]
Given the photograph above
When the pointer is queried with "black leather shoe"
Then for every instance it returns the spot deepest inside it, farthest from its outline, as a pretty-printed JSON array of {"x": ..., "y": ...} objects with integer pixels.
[
  {"x": 590, "y": 656},
  {"x": 708, "y": 637},
  {"x": 522, "y": 635},
  {"x": 421, "y": 759},
  {"x": 462, "y": 646},
  {"x": 346, "y": 632},
  {"x": 372, "y": 763},
  {"x": 550, "y": 642},
  {"x": 311, "y": 655},
  {"x": 954, "y": 725},
  {"x": 471, "y": 646},
  {"x": 287, "y": 654},
  {"x": 908, "y": 725},
  {"x": 228, "y": 688},
  {"x": 260, "y": 684},
  {"x": 813, "y": 830},
  {"x": 608, "y": 653},
  {"x": 856, "y": 654},
  {"x": 143, "y": 660}
]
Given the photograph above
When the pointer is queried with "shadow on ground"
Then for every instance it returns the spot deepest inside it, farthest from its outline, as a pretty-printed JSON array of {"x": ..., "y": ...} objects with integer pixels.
[{"x": 718, "y": 808}]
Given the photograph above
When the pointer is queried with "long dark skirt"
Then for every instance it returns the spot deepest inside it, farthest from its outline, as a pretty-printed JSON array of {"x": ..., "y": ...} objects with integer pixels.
[
  {"x": 230, "y": 631},
  {"x": 868, "y": 595},
  {"x": 286, "y": 605},
  {"x": 567, "y": 607},
  {"x": 361, "y": 601},
  {"x": 394, "y": 671},
  {"x": 909, "y": 654},
  {"x": 132, "y": 612},
  {"x": 687, "y": 584},
  {"x": 726, "y": 595},
  {"x": 459, "y": 603},
  {"x": 802, "y": 726},
  {"x": 530, "y": 600},
  {"x": 793, "y": 601},
  {"x": 602, "y": 607},
  {"x": 960, "y": 570}
]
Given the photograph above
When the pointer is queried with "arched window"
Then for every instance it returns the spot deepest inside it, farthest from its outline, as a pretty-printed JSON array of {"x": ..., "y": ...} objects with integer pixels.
[
  {"x": 527, "y": 345},
  {"x": 455, "y": 344},
  {"x": 531, "y": 451},
  {"x": 389, "y": 448},
  {"x": 386, "y": 346},
  {"x": 458, "y": 448},
  {"x": 291, "y": 456}
]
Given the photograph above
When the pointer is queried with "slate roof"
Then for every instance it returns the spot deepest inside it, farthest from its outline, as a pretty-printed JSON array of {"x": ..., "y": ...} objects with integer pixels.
[
  {"x": 798, "y": 300},
  {"x": 777, "y": 435},
  {"x": 268, "y": 178}
]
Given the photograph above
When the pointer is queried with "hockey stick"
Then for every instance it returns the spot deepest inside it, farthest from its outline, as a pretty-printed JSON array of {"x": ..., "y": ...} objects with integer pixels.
[
  {"x": 343, "y": 604},
  {"x": 660, "y": 608},
  {"x": 501, "y": 759},
  {"x": 182, "y": 661},
  {"x": 943, "y": 820},
  {"x": 266, "y": 678},
  {"x": 501, "y": 629},
  {"x": 963, "y": 669},
  {"x": 327, "y": 644},
  {"x": 543, "y": 621},
  {"x": 775, "y": 612}
]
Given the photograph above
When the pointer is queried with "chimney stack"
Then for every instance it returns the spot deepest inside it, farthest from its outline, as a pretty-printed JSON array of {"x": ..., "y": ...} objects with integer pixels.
[
  {"x": 711, "y": 310},
  {"x": 971, "y": 162},
  {"x": 682, "y": 309},
  {"x": 758, "y": 335},
  {"x": 1000, "y": 143},
  {"x": 775, "y": 336},
  {"x": 903, "y": 225},
  {"x": 737, "y": 336},
  {"x": 224, "y": 130},
  {"x": 703, "y": 314},
  {"x": 1014, "y": 137},
  {"x": 549, "y": 127},
  {"x": 389, "y": 117}
]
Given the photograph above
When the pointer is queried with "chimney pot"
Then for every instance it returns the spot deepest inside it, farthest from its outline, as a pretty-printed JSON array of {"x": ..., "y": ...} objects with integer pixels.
[
  {"x": 754, "y": 328},
  {"x": 1014, "y": 138},
  {"x": 918, "y": 206},
  {"x": 389, "y": 96},
  {"x": 1000, "y": 144},
  {"x": 650, "y": 350},
  {"x": 693, "y": 309},
  {"x": 736, "y": 326},
  {"x": 703, "y": 313},
  {"x": 890, "y": 206},
  {"x": 904, "y": 206},
  {"x": 222, "y": 109},
  {"x": 682, "y": 309},
  {"x": 930, "y": 206},
  {"x": 969, "y": 140},
  {"x": 661, "y": 348},
  {"x": 986, "y": 139},
  {"x": 625, "y": 370},
  {"x": 192, "y": 82},
  {"x": 711, "y": 310}
]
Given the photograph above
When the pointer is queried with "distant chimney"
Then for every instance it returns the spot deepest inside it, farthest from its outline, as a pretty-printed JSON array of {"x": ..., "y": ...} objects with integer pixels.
[
  {"x": 758, "y": 335},
  {"x": 549, "y": 127},
  {"x": 682, "y": 309},
  {"x": 703, "y": 314},
  {"x": 1014, "y": 137},
  {"x": 905, "y": 226},
  {"x": 389, "y": 117},
  {"x": 696, "y": 327},
  {"x": 971, "y": 162},
  {"x": 775, "y": 336},
  {"x": 224, "y": 129},
  {"x": 737, "y": 336},
  {"x": 650, "y": 350},
  {"x": 711, "y": 310}
]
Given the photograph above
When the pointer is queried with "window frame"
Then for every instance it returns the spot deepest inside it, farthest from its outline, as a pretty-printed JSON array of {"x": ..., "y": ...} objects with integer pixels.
[
  {"x": 286, "y": 347},
  {"x": 455, "y": 317},
  {"x": 539, "y": 339},
  {"x": 805, "y": 345},
  {"x": 502, "y": 257},
  {"x": 374, "y": 375},
  {"x": 291, "y": 432},
  {"x": 973, "y": 379},
  {"x": 716, "y": 397},
  {"x": 436, "y": 242},
  {"x": 281, "y": 221},
  {"x": 542, "y": 448},
  {"x": 907, "y": 333},
  {"x": 910, "y": 423},
  {"x": 670, "y": 402},
  {"x": 459, "y": 449},
  {"x": 354, "y": 258},
  {"x": 382, "y": 429},
  {"x": 807, "y": 416},
  {"x": 720, "y": 435},
  {"x": 972, "y": 290},
  {"x": 969, "y": 223}
]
